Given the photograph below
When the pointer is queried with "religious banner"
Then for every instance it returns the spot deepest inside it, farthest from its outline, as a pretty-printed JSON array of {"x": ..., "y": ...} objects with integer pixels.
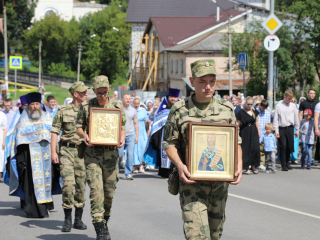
[
  {"x": 212, "y": 154},
  {"x": 105, "y": 126}
]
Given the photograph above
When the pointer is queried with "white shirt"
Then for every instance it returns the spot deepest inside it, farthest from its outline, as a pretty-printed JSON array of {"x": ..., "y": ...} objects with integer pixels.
[
  {"x": 286, "y": 115},
  {"x": 3, "y": 87}
]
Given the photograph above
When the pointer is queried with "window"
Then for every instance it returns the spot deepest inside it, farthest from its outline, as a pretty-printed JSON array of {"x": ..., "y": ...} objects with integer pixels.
[
  {"x": 154, "y": 33},
  {"x": 177, "y": 70},
  {"x": 182, "y": 68},
  {"x": 171, "y": 65}
]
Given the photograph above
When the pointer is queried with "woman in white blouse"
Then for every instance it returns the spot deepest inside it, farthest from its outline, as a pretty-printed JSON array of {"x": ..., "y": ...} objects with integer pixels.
[{"x": 3, "y": 127}]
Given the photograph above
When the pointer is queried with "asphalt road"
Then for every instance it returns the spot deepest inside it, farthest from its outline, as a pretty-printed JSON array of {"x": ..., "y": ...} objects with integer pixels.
[{"x": 280, "y": 206}]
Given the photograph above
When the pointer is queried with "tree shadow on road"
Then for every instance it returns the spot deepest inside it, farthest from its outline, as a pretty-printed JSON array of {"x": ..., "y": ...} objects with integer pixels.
[
  {"x": 11, "y": 209},
  {"x": 14, "y": 204},
  {"x": 48, "y": 224},
  {"x": 67, "y": 236}
]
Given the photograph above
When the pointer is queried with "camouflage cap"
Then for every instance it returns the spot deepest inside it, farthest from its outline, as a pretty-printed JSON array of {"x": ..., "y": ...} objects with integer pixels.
[
  {"x": 100, "y": 81},
  {"x": 203, "y": 67},
  {"x": 78, "y": 87}
]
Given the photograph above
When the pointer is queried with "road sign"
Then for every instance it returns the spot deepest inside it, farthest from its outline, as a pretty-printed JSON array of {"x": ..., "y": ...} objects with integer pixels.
[
  {"x": 15, "y": 62},
  {"x": 242, "y": 60},
  {"x": 272, "y": 43},
  {"x": 272, "y": 24}
]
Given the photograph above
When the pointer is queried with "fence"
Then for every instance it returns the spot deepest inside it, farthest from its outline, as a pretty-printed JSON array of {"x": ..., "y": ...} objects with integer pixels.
[{"x": 33, "y": 78}]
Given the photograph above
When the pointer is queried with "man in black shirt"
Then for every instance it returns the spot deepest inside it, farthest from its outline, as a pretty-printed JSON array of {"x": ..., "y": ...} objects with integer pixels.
[{"x": 310, "y": 103}]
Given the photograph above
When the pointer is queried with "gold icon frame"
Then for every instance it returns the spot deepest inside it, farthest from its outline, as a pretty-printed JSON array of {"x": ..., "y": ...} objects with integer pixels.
[
  {"x": 226, "y": 144},
  {"x": 105, "y": 126}
]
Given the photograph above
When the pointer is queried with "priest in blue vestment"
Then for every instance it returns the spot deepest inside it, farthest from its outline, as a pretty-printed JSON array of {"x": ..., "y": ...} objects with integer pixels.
[
  {"x": 154, "y": 154},
  {"x": 31, "y": 175}
]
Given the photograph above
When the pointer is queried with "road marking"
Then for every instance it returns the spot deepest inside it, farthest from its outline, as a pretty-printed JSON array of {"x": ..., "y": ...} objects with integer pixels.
[{"x": 275, "y": 206}]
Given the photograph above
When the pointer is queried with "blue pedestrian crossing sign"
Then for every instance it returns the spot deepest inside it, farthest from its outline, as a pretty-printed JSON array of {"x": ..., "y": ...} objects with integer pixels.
[
  {"x": 15, "y": 62},
  {"x": 242, "y": 60}
]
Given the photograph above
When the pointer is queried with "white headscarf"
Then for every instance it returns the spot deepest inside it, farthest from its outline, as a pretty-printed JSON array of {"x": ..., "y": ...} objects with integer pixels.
[
  {"x": 149, "y": 101},
  {"x": 68, "y": 100}
]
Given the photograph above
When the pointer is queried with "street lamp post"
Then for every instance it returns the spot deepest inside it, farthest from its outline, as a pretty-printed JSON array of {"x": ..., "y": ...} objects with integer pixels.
[
  {"x": 80, "y": 48},
  {"x": 40, "y": 45}
]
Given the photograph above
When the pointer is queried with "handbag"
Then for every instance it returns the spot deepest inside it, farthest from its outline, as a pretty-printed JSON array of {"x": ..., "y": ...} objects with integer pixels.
[{"x": 173, "y": 182}]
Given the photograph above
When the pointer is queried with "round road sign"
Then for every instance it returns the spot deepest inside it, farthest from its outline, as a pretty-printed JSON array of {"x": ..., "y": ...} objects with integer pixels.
[{"x": 272, "y": 43}]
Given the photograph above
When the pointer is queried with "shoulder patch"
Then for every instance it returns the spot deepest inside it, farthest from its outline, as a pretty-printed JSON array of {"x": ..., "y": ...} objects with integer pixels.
[
  {"x": 117, "y": 104},
  {"x": 226, "y": 103},
  {"x": 179, "y": 104},
  {"x": 63, "y": 107}
]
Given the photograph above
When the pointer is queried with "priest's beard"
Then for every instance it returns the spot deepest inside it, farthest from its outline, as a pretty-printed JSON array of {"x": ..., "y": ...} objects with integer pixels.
[
  {"x": 35, "y": 113},
  {"x": 211, "y": 147}
]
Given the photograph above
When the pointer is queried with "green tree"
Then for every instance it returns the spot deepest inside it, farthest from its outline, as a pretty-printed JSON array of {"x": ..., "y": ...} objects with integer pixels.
[
  {"x": 309, "y": 20},
  {"x": 290, "y": 58},
  {"x": 108, "y": 52},
  {"x": 59, "y": 41},
  {"x": 19, "y": 16}
]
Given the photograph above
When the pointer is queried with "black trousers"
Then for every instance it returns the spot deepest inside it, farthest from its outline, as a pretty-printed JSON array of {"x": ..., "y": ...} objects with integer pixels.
[{"x": 286, "y": 144}]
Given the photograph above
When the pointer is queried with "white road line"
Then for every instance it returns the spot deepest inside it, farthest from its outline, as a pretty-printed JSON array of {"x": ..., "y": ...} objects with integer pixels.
[{"x": 275, "y": 206}]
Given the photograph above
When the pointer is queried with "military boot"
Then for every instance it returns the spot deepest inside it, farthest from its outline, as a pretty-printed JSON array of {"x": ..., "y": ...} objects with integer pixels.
[
  {"x": 100, "y": 230},
  {"x": 67, "y": 220},
  {"x": 78, "y": 224},
  {"x": 108, "y": 237}
]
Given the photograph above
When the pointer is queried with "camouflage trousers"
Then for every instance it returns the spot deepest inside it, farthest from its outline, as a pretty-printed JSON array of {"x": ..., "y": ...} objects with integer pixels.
[
  {"x": 73, "y": 173},
  {"x": 203, "y": 208},
  {"x": 102, "y": 177}
]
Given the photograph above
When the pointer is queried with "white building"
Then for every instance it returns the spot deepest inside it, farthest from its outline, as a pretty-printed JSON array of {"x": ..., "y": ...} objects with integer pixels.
[{"x": 66, "y": 8}]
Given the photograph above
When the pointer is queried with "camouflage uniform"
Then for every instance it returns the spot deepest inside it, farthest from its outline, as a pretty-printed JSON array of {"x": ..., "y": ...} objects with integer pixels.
[
  {"x": 72, "y": 168},
  {"x": 101, "y": 161},
  {"x": 203, "y": 203}
]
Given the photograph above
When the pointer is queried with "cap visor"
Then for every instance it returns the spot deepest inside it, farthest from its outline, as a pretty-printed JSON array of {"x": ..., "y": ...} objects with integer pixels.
[
  {"x": 82, "y": 89},
  {"x": 206, "y": 73}
]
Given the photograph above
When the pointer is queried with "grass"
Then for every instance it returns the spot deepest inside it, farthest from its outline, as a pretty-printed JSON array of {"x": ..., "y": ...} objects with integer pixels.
[{"x": 58, "y": 92}]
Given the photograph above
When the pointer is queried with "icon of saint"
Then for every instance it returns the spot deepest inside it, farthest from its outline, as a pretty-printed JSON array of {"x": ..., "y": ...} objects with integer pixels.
[{"x": 211, "y": 159}]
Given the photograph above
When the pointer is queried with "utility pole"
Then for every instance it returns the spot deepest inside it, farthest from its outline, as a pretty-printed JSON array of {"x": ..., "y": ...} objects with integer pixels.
[
  {"x": 40, "y": 46},
  {"x": 230, "y": 56},
  {"x": 5, "y": 47},
  {"x": 80, "y": 48},
  {"x": 270, "y": 67}
]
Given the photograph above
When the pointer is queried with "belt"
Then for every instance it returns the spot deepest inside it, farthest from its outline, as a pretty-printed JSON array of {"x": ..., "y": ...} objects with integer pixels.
[
  {"x": 71, "y": 145},
  {"x": 291, "y": 126},
  {"x": 108, "y": 148}
]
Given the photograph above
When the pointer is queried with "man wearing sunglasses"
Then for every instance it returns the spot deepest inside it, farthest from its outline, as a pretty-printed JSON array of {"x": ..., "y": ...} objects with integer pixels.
[{"x": 101, "y": 161}]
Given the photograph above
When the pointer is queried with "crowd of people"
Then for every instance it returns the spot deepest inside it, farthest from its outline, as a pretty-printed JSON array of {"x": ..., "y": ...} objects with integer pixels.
[
  {"x": 288, "y": 131},
  {"x": 46, "y": 149}
]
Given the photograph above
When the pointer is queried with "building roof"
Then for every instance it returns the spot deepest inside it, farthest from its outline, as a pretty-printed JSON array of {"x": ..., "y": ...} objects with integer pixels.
[
  {"x": 210, "y": 42},
  {"x": 88, "y": 4},
  {"x": 140, "y": 11},
  {"x": 172, "y": 30}
]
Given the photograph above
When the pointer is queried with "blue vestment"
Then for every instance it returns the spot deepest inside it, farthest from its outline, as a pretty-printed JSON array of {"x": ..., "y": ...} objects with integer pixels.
[
  {"x": 36, "y": 134},
  {"x": 160, "y": 119},
  {"x": 143, "y": 137},
  {"x": 210, "y": 155}
]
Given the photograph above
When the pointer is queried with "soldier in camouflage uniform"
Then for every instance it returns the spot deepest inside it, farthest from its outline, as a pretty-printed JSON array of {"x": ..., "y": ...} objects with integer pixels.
[
  {"x": 101, "y": 161},
  {"x": 202, "y": 203},
  {"x": 72, "y": 168}
]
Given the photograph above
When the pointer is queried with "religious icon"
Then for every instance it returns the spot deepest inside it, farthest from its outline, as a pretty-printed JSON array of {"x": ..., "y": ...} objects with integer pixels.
[
  {"x": 213, "y": 151},
  {"x": 211, "y": 159},
  {"x": 105, "y": 126}
]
